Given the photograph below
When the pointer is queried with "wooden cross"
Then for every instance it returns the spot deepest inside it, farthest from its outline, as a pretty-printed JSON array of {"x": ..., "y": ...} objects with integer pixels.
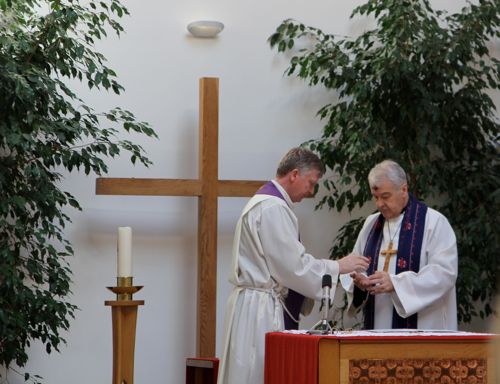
[
  {"x": 388, "y": 253},
  {"x": 207, "y": 188}
]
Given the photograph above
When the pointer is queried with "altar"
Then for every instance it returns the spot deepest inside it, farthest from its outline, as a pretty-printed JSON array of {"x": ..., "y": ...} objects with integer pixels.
[{"x": 379, "y": 357}]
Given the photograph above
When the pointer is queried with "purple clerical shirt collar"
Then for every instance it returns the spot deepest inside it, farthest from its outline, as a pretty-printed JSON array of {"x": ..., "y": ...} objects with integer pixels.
[{"x": 277, "y": 191}]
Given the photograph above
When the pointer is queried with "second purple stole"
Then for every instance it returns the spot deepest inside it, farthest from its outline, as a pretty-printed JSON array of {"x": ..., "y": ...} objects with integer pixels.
[
  {"x": 294, "y": 300},
  {"x": 408, "y": 256}
]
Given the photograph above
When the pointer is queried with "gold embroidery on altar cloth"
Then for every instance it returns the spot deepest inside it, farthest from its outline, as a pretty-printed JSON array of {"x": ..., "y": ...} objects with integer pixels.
[{"x": 417, "y": 371}]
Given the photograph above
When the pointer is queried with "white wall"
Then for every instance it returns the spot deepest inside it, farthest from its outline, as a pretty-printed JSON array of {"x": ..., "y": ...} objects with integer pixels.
[{"x": 262, "y": 114}]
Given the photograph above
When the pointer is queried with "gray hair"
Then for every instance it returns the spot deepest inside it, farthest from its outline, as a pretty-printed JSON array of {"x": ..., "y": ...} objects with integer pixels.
[
  {"x": 387, "y": 169},
  {"x": 299, "y": 158}
]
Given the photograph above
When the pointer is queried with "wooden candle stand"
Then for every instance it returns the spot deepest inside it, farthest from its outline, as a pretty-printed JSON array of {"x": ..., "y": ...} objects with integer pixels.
[{"x": 124, "y": 316}]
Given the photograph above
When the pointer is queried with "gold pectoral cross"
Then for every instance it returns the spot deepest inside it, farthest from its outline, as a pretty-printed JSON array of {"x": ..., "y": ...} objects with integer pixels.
[{"x": 388, "y": 253}]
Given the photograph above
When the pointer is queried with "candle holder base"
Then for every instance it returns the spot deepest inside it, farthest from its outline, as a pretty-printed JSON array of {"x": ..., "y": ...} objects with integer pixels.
[{"x": 125, "y": 293}]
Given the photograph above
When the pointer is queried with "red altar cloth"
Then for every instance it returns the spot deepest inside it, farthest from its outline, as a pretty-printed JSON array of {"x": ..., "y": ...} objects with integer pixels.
[{"x": 293, "y": 358}]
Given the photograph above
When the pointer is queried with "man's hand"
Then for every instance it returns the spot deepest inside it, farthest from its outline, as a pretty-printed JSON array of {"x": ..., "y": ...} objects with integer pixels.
[
  {"x": 361, "y": 280},
  {"x": 380, "y": 282},
  {"x": 352, "y": 262}
]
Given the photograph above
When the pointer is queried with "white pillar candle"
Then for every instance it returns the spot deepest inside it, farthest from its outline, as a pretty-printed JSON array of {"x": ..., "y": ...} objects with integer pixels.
[{"x": 124, "y": 251}]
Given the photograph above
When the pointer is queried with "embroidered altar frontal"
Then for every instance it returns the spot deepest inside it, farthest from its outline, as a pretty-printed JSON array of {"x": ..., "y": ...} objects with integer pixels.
[
  {"x": 392, "y": 371},
  {"x": 365, "y": 357}
]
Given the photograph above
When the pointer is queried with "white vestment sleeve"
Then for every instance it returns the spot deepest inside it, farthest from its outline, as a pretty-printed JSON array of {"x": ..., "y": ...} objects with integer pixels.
[
  {"x": 345, "y": 279},
  {"x": 286, "y": 257},
  {"x": 438, "y": 271}
]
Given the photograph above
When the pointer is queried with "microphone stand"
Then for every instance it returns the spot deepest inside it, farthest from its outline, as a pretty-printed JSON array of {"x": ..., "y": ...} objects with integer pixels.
[{"x": 322, "y": 327}]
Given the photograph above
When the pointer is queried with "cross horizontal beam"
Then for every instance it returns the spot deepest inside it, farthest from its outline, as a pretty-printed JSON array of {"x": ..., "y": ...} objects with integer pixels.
[{"x": 173, "y": 187}]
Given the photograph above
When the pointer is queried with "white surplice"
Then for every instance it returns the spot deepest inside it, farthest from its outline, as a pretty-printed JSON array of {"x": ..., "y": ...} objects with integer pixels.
[
  {"x": 431, "y": 291},
  {"x": 267, "y": 257}
]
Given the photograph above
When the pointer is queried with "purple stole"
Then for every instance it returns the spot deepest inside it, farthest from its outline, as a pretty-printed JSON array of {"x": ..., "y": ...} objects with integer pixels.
[
  {"x": 294, "y": 300},
  {"x": 408, "y": 257}
]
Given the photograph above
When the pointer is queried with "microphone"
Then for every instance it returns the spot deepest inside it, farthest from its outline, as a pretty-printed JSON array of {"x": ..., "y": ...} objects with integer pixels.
[
  {"x": 322, "y": 327},
  {"x": 326, "y": 284}
]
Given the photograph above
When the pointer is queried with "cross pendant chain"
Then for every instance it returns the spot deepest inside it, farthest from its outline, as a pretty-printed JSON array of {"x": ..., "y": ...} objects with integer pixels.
[{"x": 388, "y": 253}]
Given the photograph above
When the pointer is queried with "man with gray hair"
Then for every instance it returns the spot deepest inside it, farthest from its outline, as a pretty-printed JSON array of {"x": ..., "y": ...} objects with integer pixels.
[
  {"x": 268, "y": 261},
  {"x": 412, "y": 248}
]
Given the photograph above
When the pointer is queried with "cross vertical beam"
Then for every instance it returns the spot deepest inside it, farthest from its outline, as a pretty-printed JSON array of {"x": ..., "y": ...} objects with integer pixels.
[{"x": 207, "y": 216}]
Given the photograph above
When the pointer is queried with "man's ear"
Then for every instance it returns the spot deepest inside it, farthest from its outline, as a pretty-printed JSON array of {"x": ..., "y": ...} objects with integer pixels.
[
  {"x": 404, "y": 188},
  {"x": 293, "y": 174}
]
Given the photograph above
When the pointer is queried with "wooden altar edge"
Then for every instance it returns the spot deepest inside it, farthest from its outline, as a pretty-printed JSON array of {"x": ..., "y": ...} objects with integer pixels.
[
  {"x": 415, "y": 337},
  {"x": 414, "y": 349},
  {"x": 378, "y": 338}
]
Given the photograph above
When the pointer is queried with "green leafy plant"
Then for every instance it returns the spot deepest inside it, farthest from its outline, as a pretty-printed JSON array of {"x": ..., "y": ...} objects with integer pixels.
[
  {"x": 46, "y": 128},
  {"x": 415, "y": 89}
]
